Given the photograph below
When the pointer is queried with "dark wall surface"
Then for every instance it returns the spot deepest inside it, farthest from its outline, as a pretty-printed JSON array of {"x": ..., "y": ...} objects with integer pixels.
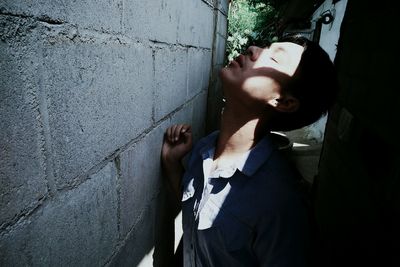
[{"x": 357, "y": 191}]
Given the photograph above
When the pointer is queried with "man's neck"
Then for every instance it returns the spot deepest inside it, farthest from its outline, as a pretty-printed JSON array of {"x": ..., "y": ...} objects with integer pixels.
[{"x": 239, "y": 132}]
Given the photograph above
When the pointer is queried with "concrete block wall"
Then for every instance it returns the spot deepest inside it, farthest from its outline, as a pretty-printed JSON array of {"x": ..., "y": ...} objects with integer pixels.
[
  {"x": 215, "y": 95},
  {"x": 87, "y": 90}
]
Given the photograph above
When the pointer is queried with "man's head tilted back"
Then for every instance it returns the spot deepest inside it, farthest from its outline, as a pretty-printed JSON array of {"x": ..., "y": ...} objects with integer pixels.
[{"x": 293, "y": 81}]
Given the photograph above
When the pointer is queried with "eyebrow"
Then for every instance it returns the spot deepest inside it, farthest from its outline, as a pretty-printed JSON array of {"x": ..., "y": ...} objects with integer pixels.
[{"x": 279, "y": 48}]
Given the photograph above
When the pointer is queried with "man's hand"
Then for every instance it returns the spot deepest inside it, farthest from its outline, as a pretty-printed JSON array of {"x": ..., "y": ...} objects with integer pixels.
[{"x": 177, "y": 143}]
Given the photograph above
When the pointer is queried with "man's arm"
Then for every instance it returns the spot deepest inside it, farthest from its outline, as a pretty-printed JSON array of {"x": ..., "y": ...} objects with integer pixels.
[{"x": 177, "y": 143}]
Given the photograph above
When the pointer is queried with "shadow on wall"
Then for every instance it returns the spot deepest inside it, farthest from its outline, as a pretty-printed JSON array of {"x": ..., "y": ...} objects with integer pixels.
[{"x": 158, "y": 224}]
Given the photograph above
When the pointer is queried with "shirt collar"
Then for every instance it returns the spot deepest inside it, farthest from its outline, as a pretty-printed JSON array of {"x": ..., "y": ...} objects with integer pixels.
[
  {"x": 259, "y": 155},
  {"x": 251, "y": 160}
]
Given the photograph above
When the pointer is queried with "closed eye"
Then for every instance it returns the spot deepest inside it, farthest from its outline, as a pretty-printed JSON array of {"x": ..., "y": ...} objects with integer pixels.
[{"x": 273, "y": 59}]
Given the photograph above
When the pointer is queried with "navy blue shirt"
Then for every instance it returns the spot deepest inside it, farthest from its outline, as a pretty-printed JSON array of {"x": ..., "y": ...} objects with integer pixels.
[{"x": 251, "y": 213}]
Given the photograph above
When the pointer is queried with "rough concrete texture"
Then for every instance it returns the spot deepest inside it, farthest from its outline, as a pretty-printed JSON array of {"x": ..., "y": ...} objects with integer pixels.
[
  {"x": 162, "y": 27},
  {"x": 215, "y": 103},
  {"x": 195, "y": 29},
  {"x": 184, "y": 115},
  {"x": 87, "y": 91},
  {"x": 139, "y": 245},
  {"x": 198, "y": 115},
  {"x": 223, "y": 6},
  {"x": 198, "y": 71},
  {"x": 144, "y": 204},
  {"x": 219, "y": 61},
  {"x": 170, "y": 80},
  {"x": 171, "y": 23},
  {"x": 151, "y": 240},
  {"x": 22, "y": 158},
  {"x": 78, "y": 228},
  {"x": 219, "y": 42},
  {"x": 88, "y": 14},
  {"x": 222, "y": 24},
  {"x": 93, "y": 92},
  {"x": 140, "y": 176},
  {"x": 193, "y": 113}
]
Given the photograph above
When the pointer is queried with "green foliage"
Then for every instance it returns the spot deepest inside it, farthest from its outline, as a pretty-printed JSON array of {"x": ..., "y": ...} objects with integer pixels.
[{"x": 251, "y": 22}]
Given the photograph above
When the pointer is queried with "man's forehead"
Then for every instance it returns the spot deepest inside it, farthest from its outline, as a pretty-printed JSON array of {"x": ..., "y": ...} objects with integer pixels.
[{"x": 287, "y": 47}]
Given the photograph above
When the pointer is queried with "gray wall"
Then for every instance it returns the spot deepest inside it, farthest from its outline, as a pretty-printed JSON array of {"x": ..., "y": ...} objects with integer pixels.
[{"x": 87, "y": 90}]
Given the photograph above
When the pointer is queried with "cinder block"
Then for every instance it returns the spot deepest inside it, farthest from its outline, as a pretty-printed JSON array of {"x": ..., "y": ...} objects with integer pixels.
[
  {"x": 223, "y": 6},
  {"x": 171, "y": 74},
  {"x": 195, "y": 28},
  {"x": 22, "y": 160},
  {"x": 99, "y": 98},
  {"x": 139, "y": 246},
  {"x": 211, "y": 3},
  {"x": 154, "y": 20},
  {"x": 199, "y": 115},
  {"x": 151, "y": 241},
  {"x": 219, "y": 52},
  {"x": 87, "y": 14},
  {"x": 140, "y": 176},
  {"x": 199, "y": 70},
  {"x": 184, "y": 115},
  {"x": 170, "y": 21},
  {"x": 78, "y": 228},
  {"x": 222, "y": 24}
]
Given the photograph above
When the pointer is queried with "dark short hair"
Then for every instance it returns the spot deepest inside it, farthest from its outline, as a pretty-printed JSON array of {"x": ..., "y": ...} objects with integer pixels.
[{"x": 314, "y": 84}]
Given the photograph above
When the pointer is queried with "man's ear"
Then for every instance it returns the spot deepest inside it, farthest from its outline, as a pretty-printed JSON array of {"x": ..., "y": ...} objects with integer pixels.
[{"x": 286, "y": 103}]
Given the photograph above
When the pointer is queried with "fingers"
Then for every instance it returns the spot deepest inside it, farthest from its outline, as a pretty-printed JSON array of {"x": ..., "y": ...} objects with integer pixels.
[
  {"x": 188, "y": 137},
  {"x": 174, "y": 132},
  {"x": 169, "y": 134}
]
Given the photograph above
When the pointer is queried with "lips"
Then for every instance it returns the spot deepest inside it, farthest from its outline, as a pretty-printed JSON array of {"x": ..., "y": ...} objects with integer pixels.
[
  {"x": 233, "y": 63},
  {"x": 239, "y": 60}
]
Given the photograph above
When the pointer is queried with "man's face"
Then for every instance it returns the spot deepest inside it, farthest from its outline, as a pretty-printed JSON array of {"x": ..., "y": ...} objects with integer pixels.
[{"x": 260, "y": 73}]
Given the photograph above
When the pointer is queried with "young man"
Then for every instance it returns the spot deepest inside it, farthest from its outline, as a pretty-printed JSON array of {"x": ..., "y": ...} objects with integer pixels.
[{"x": 241, "y": 203}]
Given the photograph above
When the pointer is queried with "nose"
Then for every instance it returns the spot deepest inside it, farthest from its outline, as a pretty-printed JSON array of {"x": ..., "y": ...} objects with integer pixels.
[{"x": 254, "y": 52}]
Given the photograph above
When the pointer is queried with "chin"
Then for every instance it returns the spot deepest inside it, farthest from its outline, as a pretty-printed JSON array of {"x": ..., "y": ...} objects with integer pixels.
[
  {"x": 226, "y": 76},
  {"x": 222, "y": 72}
]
